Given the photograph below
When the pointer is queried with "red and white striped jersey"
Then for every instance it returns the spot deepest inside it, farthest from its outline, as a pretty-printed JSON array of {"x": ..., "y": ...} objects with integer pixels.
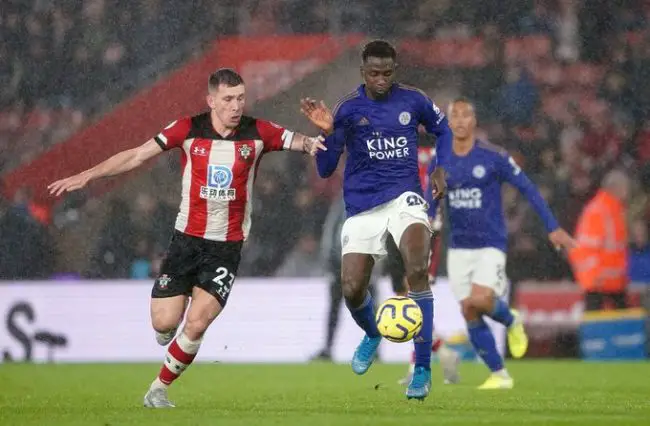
[
  {"x": 219, "y": 172},
  {"x": 425, "y": 155}
]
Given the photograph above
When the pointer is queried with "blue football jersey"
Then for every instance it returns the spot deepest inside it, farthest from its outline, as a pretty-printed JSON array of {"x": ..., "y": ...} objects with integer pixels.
[
  {"x": 474, "y": 204},
  {"x": 381, "y": 138}
]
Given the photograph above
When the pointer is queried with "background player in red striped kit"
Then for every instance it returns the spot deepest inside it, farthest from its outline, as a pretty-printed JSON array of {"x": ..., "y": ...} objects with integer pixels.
[{"x": 221, "y": 150}]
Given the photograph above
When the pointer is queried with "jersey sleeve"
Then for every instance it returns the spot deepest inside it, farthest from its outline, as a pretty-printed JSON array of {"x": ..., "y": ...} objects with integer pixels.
[
  {"x": 327, "y": 161},
  {"x": 435, "y": 123},
  {"x": 274, "y": 136},
  {"x": 174, "y": 134},
  {"x": 510, "y": 172}
]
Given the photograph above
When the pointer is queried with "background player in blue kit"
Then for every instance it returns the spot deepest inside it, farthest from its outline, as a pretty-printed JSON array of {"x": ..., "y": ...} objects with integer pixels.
[
  {"x": 476, "y": 257},
  {"x": 377, "y": 125}
]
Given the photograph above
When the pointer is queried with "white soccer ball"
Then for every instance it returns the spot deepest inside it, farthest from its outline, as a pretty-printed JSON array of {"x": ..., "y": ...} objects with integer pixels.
[{"x": 399, "y": 319}]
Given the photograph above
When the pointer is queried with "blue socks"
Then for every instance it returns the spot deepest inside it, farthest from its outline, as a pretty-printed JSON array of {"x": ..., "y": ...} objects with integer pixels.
[
  {"x": 423, "y": 339},
  {"x": 483, "y": 341},
  {"x": 501, "y": 312},
  {"x": 364, "y": 316}
]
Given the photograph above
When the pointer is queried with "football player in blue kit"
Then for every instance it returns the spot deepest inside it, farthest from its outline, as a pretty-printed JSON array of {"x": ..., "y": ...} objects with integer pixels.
[
  {"x": 377, "y": 124},
  {"x": 476, "y": 258}
]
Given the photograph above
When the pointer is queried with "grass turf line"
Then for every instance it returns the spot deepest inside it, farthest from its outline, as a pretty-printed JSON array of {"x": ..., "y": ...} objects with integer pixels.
[{"x": 546, "y": 393}]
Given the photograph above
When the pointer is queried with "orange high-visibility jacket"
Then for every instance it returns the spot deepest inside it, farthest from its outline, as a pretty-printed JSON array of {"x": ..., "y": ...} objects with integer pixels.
[{"x": 599, "y": 261}]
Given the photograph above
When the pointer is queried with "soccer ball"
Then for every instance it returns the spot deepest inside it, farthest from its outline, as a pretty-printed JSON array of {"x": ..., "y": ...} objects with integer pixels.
[{"x": 399, "y": 319}]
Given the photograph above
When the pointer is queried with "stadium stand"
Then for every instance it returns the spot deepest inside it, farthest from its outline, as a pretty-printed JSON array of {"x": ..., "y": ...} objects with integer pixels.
[{"x": 580, "y": 91}]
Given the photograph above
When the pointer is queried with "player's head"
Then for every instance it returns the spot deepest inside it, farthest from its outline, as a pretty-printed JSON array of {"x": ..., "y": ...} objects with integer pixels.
[
  {"x": 617, "y": 183},
  {"x": 378, "y": 63},
  {"x": 462, "y": 118},
  {"x": 226, "y": 96}
]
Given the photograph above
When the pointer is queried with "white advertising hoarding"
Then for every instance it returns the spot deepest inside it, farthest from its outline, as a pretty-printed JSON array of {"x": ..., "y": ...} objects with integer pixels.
[{"x": 266, "y": 320}]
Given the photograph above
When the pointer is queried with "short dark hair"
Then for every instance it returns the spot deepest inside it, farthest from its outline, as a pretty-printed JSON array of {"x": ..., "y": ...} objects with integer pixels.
[
  {"x": 464, "y": 100},
  {"x": 226, "y": 76},
  {"x": 378, "y": 49}
]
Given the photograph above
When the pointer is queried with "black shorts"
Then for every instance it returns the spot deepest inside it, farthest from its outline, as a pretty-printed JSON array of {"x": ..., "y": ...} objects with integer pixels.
[
  {"x": 194, "y": 261},
  {"x": 395, "y": 265}
]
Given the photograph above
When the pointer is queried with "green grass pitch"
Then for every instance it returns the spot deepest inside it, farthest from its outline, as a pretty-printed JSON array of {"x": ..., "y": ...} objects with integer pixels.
[{"x": 546, "y": 393}]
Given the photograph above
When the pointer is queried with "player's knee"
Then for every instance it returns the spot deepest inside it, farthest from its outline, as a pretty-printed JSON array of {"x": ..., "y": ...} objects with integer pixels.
[
  {"x": 196, "y": 327},
  {"x": 482, "y": 300},
  {"x": 352, "y": 290},
  {"x": 163, "y": 325},
  {"x": 470, "y": 313},
  {"x": 164, "y": 321},
  {"x": 417, "y": 275}
]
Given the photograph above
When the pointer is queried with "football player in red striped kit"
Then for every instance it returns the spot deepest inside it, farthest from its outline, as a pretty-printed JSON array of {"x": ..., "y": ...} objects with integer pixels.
[{"x": 220, "y": 150}]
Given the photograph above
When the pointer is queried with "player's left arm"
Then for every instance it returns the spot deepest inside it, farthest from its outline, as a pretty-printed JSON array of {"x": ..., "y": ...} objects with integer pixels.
[
  {"x": 277, "y": 138},
  {"x": 511, "y": 172},
  {"x": 435, "y": 122}
]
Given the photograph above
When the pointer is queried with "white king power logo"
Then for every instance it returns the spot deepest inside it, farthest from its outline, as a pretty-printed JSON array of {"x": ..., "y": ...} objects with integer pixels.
[
  {"x": 466, "y": 198},
  {"x": 381, "y": 148}
]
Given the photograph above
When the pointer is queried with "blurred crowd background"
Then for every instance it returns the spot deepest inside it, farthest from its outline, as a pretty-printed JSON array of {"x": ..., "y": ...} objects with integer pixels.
[{"x": 562, "y": 84}]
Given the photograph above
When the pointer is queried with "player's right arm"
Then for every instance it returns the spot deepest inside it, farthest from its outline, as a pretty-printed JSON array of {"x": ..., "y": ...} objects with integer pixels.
[
  {"x": 510, "y": 172},
  {"x": 127, "y": 160},
  {"x": 332, "y": 126}
]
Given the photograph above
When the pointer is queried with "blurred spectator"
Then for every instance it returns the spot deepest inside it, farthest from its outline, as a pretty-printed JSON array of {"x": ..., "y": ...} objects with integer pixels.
[
  {"x": 141, "y": 266},
  {"x": 601, "y": 143},
  {"x": 567, "y": 30},
  {"x": 640, "y": 77},
  {"x": 642, "y": 143},
  {"x": 303, "y": 260},
  {"x": 113, "y": 255},
  {"x": 639, "y": 269},
  {"x": 518, "y": 97},
  {"x": 538, "y": 21},
  {"x": 32, "y": 258}
]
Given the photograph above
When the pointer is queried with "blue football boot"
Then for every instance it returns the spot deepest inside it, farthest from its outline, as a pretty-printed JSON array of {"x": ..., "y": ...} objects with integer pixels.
[
  {"x": 420, "y": 384},
  {"x": 365, "y": 354}
]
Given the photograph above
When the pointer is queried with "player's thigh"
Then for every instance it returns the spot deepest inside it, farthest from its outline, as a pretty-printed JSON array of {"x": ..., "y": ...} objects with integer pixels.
[
  {"x": 460, "y": 267},
  {"x": 365, "y": 233},
  {"x": 490, "y": 272},
  {"x": 395, "y": 266},
  {"x": 408, "y": 223},
  {"x": 217, "y": 269},
  {"x": 174, "y": 284}
]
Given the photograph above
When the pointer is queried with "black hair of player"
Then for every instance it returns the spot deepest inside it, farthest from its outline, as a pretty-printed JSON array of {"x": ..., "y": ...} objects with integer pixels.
[
  {"x": 464, "y": 100},
  {"x": 378, "y": 49},
  {"x": 226, "y": 76}
]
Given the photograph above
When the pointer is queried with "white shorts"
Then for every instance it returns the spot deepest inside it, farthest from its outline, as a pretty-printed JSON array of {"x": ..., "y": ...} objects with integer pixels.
[
  {"x": 485, "y": 267},
  {"x": 366, "y": 232}
]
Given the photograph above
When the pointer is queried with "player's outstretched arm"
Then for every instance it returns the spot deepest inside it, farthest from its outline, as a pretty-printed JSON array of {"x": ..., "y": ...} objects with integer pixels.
[
  {"x": 319, "y": 114},
  {"x": 331, "y": 126},
  {"x": 516, "y": 177},
  {"x": 119, "y": 163},
  {"x": 308, "y": 144}
]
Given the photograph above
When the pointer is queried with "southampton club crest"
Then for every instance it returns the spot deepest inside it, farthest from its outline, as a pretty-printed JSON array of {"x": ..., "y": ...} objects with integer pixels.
[
  {"x": 163, "y": 281},
  {"x": 245, "y": 151}
]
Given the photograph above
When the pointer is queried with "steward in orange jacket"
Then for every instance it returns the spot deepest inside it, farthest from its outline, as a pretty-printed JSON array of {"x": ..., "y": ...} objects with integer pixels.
[{"x": 599, "y": 261}]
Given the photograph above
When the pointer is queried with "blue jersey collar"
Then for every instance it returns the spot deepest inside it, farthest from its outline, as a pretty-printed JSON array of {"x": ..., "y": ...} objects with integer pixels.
[{"x": 362, "y": 93}]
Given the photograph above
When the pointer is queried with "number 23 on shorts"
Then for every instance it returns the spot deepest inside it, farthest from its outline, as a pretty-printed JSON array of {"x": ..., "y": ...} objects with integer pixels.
[{"x": 219, "y": 284}]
